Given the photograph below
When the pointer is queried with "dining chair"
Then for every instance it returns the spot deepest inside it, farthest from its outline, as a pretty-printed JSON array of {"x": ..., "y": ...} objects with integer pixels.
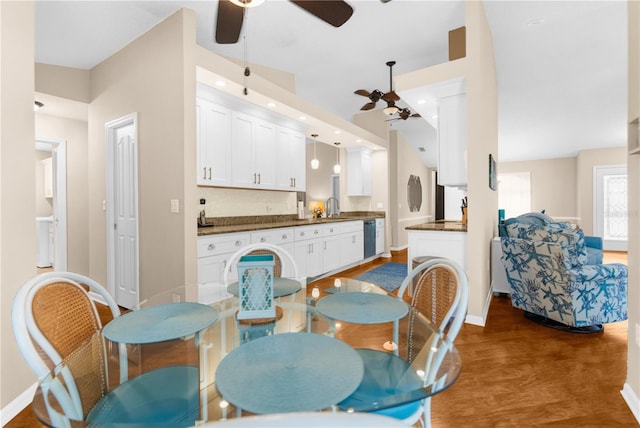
[
  {"x": 440, "y": 297},
  {"x": 57, "y": 328}
]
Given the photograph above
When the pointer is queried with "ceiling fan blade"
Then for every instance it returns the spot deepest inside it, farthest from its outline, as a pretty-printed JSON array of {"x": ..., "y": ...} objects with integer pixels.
[
  {"x": 368, "y": 106},
  {"x": 391, "y": 96},
  {"x": 362, "y": 92},
  {"x": 229, "y": 22},
  {"x": 334, "y": 12}
]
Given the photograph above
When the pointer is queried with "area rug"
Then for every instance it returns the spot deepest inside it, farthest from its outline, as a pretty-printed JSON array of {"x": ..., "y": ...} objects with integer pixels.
[{"x": 388, "y": 276}]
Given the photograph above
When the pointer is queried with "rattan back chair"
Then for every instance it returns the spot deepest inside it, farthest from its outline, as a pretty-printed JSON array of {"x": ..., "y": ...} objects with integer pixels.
[
  {"x": 440, "y": 295},
  {"x": 54, "y": 321}
]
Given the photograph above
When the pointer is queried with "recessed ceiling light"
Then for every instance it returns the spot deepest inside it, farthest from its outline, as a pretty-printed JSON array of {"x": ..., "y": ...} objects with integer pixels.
[
  {"x": 422, "y": 101},
  {"x": 535, "y": 22},
  {"x": 221, "y": 83},
  {"x": 271, "y": 104},
  {"x": 337, "y": 132},
  {"x": 435, "y": 116},
  {"x": 303, "y": 118},
  {"x": 358, "y": 140}
]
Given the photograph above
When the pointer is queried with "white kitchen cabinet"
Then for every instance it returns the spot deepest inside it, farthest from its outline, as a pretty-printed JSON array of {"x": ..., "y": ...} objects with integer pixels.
[
  {"x": 358, "y": 171},
  {"x": 214, "y": 252},
  {"x": 450, "y": 245},
  {"x": 307, "y": 250},
  {"x": 452, "y": 140},
  {"x": 380, "y": 236},
  {"x": 214, "y": 143},
  {"x": 331, "y": 247},
  {"x": 282, "y": 237},
  {"x": 351, "y": 242},
  {"x": 290, "y": 160},
  {"x": 253, "y": 152}
]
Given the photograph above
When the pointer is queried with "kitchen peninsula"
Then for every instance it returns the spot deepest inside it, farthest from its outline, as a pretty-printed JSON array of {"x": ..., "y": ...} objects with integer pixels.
[{"x": 441, "y": 238}]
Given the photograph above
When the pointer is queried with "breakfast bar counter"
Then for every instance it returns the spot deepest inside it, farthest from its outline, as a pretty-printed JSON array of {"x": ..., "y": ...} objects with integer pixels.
[{"x": 440, "y": 225}]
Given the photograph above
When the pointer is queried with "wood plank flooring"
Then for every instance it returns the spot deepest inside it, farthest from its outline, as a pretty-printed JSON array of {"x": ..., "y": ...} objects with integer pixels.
[{"x": 515, "y": 373}]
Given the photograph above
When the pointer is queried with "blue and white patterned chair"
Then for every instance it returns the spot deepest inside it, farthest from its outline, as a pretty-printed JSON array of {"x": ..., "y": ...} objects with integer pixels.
[{"x": 547, "y": 270}]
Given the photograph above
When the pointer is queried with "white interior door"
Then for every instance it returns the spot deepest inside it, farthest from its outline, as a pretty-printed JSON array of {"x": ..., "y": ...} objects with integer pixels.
[
  {"x": 122, "y": 211},
  {"x": 610, "y": 206}
]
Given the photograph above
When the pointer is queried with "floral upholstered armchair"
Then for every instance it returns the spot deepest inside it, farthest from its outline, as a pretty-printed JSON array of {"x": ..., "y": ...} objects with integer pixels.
[{"x": 547, "y": 270}]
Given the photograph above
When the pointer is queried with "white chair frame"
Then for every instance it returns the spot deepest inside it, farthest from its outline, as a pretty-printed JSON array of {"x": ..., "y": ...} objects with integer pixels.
[
  {"x": 454, "y": 318},
  {"x": 26, "y": 332}
]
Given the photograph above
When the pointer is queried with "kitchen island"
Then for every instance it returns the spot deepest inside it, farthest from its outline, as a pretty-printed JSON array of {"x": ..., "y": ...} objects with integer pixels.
[{"x": 441, "y": 238}]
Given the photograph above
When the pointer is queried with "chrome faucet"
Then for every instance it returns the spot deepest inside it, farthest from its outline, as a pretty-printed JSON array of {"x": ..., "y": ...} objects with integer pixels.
[{"x": 330, "y": 211}]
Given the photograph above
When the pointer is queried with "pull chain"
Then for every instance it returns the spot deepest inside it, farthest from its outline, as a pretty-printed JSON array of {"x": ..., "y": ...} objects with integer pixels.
[{"x": 247, "y": 70}]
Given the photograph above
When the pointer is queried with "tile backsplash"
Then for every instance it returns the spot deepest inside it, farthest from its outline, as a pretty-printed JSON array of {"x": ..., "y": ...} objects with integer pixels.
[{"x": 227, "y": 202}]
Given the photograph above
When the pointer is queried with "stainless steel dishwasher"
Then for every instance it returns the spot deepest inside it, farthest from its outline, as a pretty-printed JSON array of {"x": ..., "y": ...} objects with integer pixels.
[{"x": 369, "y": 238}]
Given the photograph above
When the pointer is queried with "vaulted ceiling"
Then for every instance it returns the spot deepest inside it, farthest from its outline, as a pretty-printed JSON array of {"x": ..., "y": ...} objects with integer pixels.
[{"x": 561, "y": 65}]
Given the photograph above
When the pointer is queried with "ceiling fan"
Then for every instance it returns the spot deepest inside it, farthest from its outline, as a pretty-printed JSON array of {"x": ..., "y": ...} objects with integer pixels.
[
  {"x": 231, "y": 15},
  {"x": 390, "y": 98}
]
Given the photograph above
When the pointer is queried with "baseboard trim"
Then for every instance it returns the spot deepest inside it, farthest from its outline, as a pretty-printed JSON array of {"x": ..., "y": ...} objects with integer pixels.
[
  {"x": 19, "y": 404},
  {"x": 631, "y": 398},
  {"x": 480, "y": 320}
]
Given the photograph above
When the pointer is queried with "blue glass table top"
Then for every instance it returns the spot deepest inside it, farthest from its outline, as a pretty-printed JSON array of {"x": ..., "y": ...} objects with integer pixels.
[
  {"x": 160, "y": 323},
  {"x": 362, "y": 308},
  {"x": 281, "y": 287},
  {"x": 290, "y": 372}
]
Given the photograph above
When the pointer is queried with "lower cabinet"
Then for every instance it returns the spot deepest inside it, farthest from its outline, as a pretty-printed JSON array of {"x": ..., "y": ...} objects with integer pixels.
[
  {"x": 380, "y": 236},
  {"x": 316, "y": 249}
]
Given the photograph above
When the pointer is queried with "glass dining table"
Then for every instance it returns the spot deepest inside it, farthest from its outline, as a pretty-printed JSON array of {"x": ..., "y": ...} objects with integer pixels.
[{"x": 302, "y": 360}]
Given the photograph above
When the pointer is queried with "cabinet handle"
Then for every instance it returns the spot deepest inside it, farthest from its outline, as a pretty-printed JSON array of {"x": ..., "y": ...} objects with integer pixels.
[
  {"x": 331, "y": 230},
  {"x": 238, "y": 243},
  {"x": 284, "y": 236},
  {"x": 301, "y": 233},
  {"x": 315, "y": 232},
  {"x": 209, "y": 173},
  {"x": 259, "y": 181},
  {"x": 204, "y": 172},
  {"x": 353, "y": 239},
  {"x": 211, "y": 247},
  {"x": 254, "y": 178},
  {"x": 263, "y": 239},
  {"x": 294, "y": 182},
  {"x": 325, "y": 245}
]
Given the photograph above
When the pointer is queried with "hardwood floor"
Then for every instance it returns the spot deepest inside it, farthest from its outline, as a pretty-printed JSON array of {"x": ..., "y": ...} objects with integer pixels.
[{"x": 516, "y": 372}]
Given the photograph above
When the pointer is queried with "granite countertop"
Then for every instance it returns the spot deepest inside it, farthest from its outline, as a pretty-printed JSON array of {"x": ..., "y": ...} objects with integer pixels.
[
  {"x": 440, "y": 226},
  {"x": 254, "y": 223}
]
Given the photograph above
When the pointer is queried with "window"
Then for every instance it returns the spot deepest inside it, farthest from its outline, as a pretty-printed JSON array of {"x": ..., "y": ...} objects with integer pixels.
[{"x": 514, "y": 193}]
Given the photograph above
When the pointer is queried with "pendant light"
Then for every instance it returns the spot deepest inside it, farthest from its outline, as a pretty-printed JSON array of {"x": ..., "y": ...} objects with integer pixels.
[
  {"x": 315, "y": 163},
  {"x": 336, "y": 167}
]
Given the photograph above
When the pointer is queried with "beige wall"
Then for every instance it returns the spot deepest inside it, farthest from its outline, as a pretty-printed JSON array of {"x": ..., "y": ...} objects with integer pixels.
[
  {"x": 631, "y": 390},
  {"x": 553, "y": 184},
  {"x": 404, "y": 162},
  {"x": 64, "y": 82},
  {"x": 586, "y": 161},
  {"x": 482, "y": 140},
  {"x": 75, "y": 134},
  {"x": 148, "y": 76},
  {"x": 17, "y": 183}
]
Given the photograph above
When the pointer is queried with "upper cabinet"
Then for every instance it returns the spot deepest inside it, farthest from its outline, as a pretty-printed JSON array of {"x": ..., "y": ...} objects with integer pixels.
[
  {"x": 358, "y": 171},
  {"x": 214, "y": 144},
  {"x": 290, "y": 155},
  {"x": 242, "y": 146},
  {"x": 452, "y": 140}
]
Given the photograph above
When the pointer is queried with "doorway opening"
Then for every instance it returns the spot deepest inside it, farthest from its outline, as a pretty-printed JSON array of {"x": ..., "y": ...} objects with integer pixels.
[{"x": 51, "y": 204}]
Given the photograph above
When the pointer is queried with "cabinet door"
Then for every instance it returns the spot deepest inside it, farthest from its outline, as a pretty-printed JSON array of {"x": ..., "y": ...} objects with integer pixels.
[
  {"x": 214, "y": 144},
  {"x": 379, "y": 239},
  {"x": 210, "y": 274},
  {"x": 243, "y": 173},
  {"x": 331, "y": 253},
  {"x": 352, "y": 247},
  {"x": 452, "y": 140},
  {"x": 308, "y": 257},
  {"x": 290, "y": 159},
  {"x": 264, "y": 154},
  {"x": 359, "y": 172}
]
